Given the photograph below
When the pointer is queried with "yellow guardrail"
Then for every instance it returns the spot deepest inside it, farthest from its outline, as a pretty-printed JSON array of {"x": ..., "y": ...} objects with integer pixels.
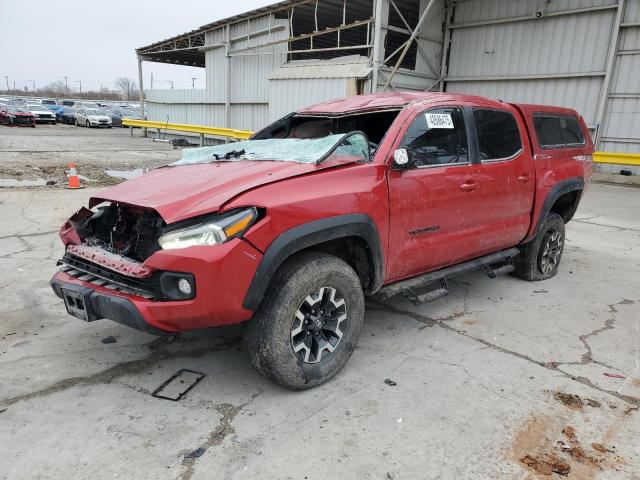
[
  {"x": 180, "y": 127},
  {"x": 617, "y": 158}
]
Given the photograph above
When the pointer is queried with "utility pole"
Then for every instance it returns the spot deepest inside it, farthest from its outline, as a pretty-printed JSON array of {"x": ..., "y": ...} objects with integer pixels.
[
  {"x": 193, "y": 82},
  {"x": 66, "y": 85},
  {"x": 6, "y": 77},
  {"x": 33, "y": 84},
  {"x": 151, "y": 80},
  {"x": 14, "y": 85},
  {"x": 79, "y": 82},
  {"x": 171, "y": 82}
]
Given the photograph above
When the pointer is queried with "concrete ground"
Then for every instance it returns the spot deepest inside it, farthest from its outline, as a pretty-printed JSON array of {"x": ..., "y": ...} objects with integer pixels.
[{"x": 502, "y": 379}]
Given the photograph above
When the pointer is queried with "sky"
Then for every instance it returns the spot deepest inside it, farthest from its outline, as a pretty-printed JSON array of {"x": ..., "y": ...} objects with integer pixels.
[{"x": 91, "y": 41}]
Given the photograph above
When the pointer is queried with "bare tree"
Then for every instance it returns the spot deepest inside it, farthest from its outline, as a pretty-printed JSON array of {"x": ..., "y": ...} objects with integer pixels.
[
  {"x": 127, "y": 86},
  {"x": 57, "y": 88}
]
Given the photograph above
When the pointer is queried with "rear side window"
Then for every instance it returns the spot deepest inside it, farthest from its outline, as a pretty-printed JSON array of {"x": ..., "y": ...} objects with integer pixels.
[
  {"x": 437, "y": 137},
  {"x": 571, "y": 131},
  {"x": 498, "y": 134},
  {"x": 556, "y": 131}
]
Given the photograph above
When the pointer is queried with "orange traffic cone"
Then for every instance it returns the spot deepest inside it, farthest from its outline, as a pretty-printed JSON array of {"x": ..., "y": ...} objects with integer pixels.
[{"x": 74, "y": 181}]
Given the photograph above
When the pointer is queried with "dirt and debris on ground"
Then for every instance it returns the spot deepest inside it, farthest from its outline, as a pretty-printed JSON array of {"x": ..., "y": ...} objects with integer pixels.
[
  {"x": 574, "y": 401},
  {"x": 102, "y": 156},
  {"x": 475, "y": 371}
]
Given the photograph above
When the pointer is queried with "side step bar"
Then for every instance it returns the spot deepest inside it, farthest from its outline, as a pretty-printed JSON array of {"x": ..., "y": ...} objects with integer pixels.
[{"x": 494, "y": 264}]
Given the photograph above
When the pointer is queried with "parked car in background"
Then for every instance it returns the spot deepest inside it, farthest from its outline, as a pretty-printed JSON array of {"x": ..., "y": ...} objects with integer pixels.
[
  {"x": 55, "y": 109},
  {"x": 87, "y": 105},
  {"x": 67, "y": 116},
  {"x": 92, "y": 117},
  {"x": 384, "y": 194},
  {"x": 42, "y": 113},
  {"x": 16, "y": 116},
  {"x": 123, "y": 113},
  {"x": 116, "y": 120},
  {"x": 69, "y": 103},
  {"x": 49, "y": 102}
]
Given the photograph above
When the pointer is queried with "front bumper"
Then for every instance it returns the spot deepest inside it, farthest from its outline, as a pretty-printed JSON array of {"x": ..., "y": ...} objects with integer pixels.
[
  {"x": 222, "y": 275},
  {"x": 100, "y": 305}
]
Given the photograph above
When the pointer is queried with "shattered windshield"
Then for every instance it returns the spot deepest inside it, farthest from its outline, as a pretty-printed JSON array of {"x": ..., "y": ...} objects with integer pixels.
[{"x": 310, "y": 150}]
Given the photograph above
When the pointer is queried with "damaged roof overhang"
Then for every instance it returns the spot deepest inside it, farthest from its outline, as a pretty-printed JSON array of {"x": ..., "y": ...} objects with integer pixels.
[
  {"x": 353, "y": 66},
  {"x": 189, "y": 48}
]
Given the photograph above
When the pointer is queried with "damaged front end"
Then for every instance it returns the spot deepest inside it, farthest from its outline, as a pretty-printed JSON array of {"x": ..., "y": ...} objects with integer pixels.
[
  {"x": 108, "y": 248},
  {"x": 130, "y": 232}
]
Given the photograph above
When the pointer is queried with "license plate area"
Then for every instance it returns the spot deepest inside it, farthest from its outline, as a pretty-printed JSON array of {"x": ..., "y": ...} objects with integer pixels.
[{"x": 78, "y": 304}]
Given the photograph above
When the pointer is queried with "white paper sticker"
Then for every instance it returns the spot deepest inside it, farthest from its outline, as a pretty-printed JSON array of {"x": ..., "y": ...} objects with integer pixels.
[{"x": 439, "y": 120}]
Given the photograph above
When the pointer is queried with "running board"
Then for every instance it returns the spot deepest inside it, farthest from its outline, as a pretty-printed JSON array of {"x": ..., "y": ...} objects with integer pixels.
[
  {"x": 428, "y": 296},
  {"x": 495, "y": 264}
]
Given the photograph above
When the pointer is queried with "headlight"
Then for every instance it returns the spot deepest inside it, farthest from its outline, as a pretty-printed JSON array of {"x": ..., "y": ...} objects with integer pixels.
[{"x": 217, "y": 230}]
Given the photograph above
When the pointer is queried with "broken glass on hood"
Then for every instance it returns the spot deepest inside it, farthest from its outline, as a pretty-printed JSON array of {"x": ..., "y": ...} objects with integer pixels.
[{"x": 311, "y": 150}]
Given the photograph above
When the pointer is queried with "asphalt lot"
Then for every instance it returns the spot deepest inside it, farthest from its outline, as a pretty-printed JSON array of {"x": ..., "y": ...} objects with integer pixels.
[{"x": 501, "y": 379}]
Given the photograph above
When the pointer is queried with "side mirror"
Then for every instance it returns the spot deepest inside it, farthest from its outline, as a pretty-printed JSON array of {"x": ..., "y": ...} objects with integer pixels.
[{"x": 401, "y": 159}]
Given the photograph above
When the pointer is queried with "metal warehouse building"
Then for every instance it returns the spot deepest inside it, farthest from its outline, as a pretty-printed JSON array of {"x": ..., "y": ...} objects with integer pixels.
[{"x": 265, "y": 63}]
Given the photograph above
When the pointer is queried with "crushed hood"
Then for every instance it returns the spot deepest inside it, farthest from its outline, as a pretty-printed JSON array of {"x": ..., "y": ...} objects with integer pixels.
[{"x": 181, "y": 192}]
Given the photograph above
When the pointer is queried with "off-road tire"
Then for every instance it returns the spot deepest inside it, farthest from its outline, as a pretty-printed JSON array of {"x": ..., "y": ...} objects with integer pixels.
[
  {"x": 268, "y": 335},
  {"x": 529, "y": 265}
]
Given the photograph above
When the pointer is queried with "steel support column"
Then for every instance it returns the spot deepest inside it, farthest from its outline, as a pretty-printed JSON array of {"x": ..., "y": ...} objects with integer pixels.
[
  {"x": 606, "y": 82},
  {"x": 227, "y": 100},
  {"x": 377, "y": 41},
  {"x": 141, "y": 93}
]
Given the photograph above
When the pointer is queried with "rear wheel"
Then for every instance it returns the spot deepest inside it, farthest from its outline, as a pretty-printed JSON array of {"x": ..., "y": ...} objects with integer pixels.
[
  {"x": 539, "y": 259},
  {"x": 309, "y": 322}
]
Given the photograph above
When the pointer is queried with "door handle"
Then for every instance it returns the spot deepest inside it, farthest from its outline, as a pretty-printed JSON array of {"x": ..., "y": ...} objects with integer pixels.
[
  {"x": 524, "y": 178},
  {"x": 469, "y": 186}
]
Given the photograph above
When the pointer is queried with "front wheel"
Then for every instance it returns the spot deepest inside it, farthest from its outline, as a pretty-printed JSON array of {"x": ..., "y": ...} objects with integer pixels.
[
  {"x": 539, "y": 259},
  {"x": 88, "y": 124},
  {"x": 309, "y": 322}
]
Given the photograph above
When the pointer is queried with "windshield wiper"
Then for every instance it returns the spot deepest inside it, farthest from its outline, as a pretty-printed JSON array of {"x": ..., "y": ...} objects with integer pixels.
[{"x": 229, "y": 155}]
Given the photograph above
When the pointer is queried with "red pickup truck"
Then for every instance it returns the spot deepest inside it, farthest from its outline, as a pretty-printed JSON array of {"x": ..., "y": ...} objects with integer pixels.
[{"x": 379, "y": 194}]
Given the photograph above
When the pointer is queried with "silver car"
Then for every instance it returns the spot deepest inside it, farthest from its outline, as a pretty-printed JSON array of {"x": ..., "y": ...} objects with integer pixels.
[{"x": 92, "y": 117}]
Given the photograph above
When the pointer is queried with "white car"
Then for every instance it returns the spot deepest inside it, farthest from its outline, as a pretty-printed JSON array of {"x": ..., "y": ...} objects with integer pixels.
[
  {"x": 91, "y": 117},
  {"x": 42, "y": 113}
]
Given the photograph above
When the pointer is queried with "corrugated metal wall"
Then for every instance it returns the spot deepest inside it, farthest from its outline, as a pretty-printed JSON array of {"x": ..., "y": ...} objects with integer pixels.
[
  {"x": 504, "y": 49},
  {"x": 249, "y": 87},
  {"x": 621, "y": 129},
  {"x": 286, "y": 96}
]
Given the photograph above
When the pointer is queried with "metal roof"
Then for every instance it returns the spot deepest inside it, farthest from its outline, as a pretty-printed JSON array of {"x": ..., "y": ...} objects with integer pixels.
[
  {"x": 188, "y": 48},
  {"x": 191, "y": 53}
]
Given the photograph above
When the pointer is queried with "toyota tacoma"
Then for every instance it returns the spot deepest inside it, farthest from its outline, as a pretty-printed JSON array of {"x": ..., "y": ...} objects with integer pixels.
[{"x": 384, "y": 194}]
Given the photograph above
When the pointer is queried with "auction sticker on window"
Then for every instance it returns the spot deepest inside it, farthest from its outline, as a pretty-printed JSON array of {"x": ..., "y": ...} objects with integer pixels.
[{"x": 439, "y": 120}]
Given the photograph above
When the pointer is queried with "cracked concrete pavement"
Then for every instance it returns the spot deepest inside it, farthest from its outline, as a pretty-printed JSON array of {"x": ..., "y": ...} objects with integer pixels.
[{"x": 478, "y": 375}]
